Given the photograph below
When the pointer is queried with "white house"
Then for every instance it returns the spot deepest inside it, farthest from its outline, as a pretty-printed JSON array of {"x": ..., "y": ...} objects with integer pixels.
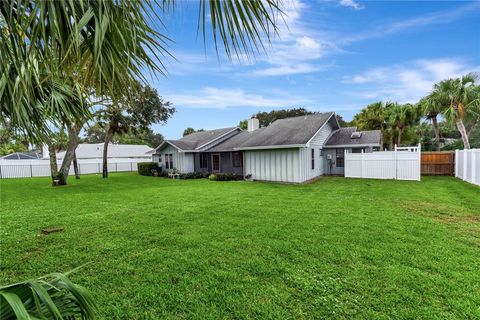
[
  {"x": 291, "y": 150},
  {"x": 118, "y": 151}
]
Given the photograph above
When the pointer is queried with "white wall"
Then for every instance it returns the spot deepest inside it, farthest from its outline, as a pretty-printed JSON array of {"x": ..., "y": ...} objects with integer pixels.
[
  {"x": 316, "y": 143},
  {"x": 280, "y": 165},
  {"x": 41, "y": 168},
  {"x": 467, "y": 165},
  {"x": 181, "y": 160},
  {"x": 401, "y": 164}
]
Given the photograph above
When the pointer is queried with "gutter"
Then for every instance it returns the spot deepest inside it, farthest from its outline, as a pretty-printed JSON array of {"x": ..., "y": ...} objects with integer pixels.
[{"x": 284, "y": 146}]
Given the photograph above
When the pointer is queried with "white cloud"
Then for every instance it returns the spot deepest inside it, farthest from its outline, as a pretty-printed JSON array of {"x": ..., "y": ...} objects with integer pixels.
[
  {"x": 407, "y": 82},
  {"x": 351, "y": 3},
  {"x": 287, "y": 70},
  {"x": 216, "y": 98},
  {"x": 298, "y": 48}
]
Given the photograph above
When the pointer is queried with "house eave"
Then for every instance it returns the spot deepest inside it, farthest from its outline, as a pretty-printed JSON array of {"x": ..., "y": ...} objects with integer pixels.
[
  {"x": 284, "y": 146},
  {"x": 199, "y": 148},
  {"x": 351, "y": 145}
]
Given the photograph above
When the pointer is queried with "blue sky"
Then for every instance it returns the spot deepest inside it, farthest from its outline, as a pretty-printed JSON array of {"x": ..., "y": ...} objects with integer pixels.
[{"x": 334, "y": 56}]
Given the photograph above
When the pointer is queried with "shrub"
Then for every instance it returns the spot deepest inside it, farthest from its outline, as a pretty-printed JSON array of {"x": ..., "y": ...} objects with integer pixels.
[
  {"x": 145, "y": 168},
  {"x": 194, "y": 175},
  {"x": 225, "y": 177},
  {"x": 212, "y": 177}
]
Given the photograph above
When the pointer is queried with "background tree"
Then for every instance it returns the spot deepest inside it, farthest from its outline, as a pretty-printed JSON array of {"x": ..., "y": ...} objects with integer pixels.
[
  {"x": 96, "y": 134},
  {"x": 189, "y": 130},
  {"x": 135, "y": 113},
  {"x": 462, "y": 100},
  {"x": 402, "y": 116},
  {"x": 11, "y": 140},
  {"x": 266, "y": 118},
  {"x": 432, "y": 108},
  {"x": 373, "y": 117}
]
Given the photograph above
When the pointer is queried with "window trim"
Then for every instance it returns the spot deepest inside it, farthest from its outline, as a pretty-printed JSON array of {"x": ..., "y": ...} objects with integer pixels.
[
  {"x": 312, "y": 156},
  {"x": 239, "y": 163}
]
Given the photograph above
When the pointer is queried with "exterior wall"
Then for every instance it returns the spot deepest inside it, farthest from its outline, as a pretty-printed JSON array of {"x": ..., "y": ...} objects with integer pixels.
[
  {"x": 280, "y": 165},
  {"x": 181, "y": 160},
  {"x": 316, "y": 143},
  {"x": 336, "y": 170}
]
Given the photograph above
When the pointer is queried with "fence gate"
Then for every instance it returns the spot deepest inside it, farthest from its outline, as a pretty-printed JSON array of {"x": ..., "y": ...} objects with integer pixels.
[
  {"x": 438, "y": 163},
  {"x": 401, "y": 164}
]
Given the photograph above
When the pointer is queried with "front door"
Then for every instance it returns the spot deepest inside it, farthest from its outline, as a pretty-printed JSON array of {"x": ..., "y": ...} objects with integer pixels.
[{"x": 215, "y": 162}]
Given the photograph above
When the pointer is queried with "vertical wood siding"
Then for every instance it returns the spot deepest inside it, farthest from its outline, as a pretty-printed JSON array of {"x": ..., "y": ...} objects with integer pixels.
[
  {"x": 181, "y": 160},
  {"x": 280, "y": 165}
]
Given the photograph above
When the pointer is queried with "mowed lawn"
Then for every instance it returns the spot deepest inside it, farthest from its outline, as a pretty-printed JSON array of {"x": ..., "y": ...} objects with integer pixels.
[{"x": 198, "y": 249}]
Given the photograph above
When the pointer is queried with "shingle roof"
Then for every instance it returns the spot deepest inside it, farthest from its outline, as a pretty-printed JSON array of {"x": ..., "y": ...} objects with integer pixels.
[
  {"x": 197, "y": 139},
  {"x": 342, "y": 137},
  {"x": 21, "y": 156},
  {"x": 289, "y": 131}
]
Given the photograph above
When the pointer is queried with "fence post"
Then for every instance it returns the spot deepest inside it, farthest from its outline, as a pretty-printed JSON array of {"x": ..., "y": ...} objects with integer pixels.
[
  {"x": 1, "y": 171},
  {"x": 31, "y": 170},
  {"x": 395, "y": 162},
  {"x": 474, "y": 174},
  {"x": 131, "y": 167},
  {"x": 362, "y": 172},
  {"x": 465, "y": 152},
  {"x": 116, "y": 167},
  {"x": 419, "y": 161},
  {"x": 456, "y": 163}
]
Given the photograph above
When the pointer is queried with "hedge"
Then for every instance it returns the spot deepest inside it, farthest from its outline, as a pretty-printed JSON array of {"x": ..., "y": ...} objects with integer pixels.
[
  {"x": 224, "y": 177},
  {"x": 145, "y": 168}
]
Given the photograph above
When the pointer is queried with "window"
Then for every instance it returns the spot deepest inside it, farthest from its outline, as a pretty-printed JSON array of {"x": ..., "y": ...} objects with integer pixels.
[
  {"x": 168, "y": 161},
  {"x": 160, "y": 158},
  {"x": 313, "y": 159},
  {"x": 203, "y": 160},
  {"x": 357, "y": 150},
  {"x": 216, "y": 162},
  {"x": 237, "y": 159},
  {"x": 340, "y": 158}
]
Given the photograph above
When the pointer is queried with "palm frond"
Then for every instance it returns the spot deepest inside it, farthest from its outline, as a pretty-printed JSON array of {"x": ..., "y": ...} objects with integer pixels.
[{"x": 51, "y": 297}]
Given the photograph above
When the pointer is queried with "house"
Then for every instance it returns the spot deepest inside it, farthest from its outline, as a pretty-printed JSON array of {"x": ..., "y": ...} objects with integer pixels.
[
  {"x": 22, "y": 156},
  {"x": 291, "y": 150},
  {"x": 95, "y": 151}
]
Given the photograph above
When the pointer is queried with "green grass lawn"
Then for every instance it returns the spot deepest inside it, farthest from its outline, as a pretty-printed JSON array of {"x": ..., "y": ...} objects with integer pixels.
[{"x": 199, "y": 249}]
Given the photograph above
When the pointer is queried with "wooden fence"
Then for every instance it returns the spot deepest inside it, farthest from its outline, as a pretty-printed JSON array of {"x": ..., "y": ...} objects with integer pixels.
[{"x": 439, "y": 163}]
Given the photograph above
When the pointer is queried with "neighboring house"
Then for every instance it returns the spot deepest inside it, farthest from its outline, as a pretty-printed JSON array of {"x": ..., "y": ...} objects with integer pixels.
[
  {"x": 22, "y": 156},
  {"x": 95, "y": 151},
  {"x": 293, "y": 150}
]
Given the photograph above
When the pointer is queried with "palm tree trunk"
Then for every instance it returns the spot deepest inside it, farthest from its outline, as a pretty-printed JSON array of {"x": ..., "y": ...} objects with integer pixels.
[
  {"x": 108, "y": 138},
  {"x": 399, "y": 138},
  {"x": 53, "y": 163},
  {"x": 437, "y": 132},
  {"x": 463, "y": 132},
  {"x": 390, "y": 145},
  {"x": 75, "y": 166},
  {"x": 73, "y": 132},
  {"x": 381, "y": 138}
]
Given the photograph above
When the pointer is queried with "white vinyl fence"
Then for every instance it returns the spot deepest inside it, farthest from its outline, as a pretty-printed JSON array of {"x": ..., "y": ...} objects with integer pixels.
[
  {"x": 41, "y": 168},
  {"x": 467, "y": 165},
  {"x": 401, "y": 164}
]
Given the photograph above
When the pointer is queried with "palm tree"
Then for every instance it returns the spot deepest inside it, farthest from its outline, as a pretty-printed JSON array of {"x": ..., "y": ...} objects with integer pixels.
[
  {"x": 402, "y": 116},
  {"x": 372, "y": 117},
  {"x": 432, "y": 108},
  {"x": 54, "y": 54},
  {"x": 460, "y": 98}
]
